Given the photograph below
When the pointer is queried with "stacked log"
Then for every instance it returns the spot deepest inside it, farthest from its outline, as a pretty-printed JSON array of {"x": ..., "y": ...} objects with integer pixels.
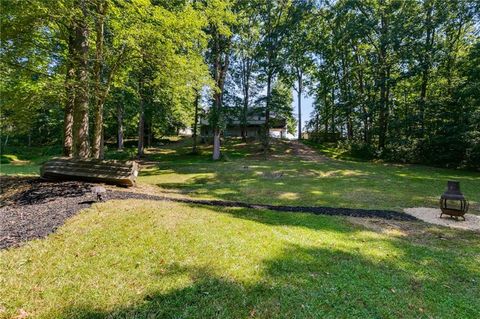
[{"x": 122, "y": 173}]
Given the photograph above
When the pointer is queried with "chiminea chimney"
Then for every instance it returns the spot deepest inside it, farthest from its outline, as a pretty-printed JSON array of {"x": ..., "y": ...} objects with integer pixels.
[{"x": 452, "y": 201}]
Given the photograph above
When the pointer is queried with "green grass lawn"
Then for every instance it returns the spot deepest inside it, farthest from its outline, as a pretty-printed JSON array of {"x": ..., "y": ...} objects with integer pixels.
[
  {"x": 140, "y": 259},
  {"x": 291, "y": 181},
  {"x": 245, "y": 175},
  {"x": 25, "y": 161}
]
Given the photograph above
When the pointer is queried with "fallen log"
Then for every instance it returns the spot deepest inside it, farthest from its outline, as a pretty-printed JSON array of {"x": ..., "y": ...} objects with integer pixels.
[{"x": 122, "y": 173}]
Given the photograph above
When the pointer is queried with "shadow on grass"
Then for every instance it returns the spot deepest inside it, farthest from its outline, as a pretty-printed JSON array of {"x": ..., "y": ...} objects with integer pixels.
[
  {"x": 311, "y": 282},
  {"x": 334, "y": 183}
]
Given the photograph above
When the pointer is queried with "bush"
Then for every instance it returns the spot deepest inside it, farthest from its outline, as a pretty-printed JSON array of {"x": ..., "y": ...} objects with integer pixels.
[
  {"x": 403, "y": 152},
  {"x": 4, "y": 160},
  {"x": 358, "y": 149},
  {"x": 322, "y": 137},
  {"x": 472, "y": 153},
  {"x": 446, "y": 150}
]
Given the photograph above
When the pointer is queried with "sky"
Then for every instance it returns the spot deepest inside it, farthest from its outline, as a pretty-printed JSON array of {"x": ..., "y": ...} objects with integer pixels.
[{"x": 307, "y": 108}]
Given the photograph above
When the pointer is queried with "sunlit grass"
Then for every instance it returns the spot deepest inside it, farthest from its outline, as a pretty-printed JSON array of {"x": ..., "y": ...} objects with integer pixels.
[
  {"x": 331, "y": 183},
  {"x": 140, "y": 259}
]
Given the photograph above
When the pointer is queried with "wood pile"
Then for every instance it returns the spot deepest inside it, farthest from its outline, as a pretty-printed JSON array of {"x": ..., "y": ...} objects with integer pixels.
[{"x": 122, "y": 173}]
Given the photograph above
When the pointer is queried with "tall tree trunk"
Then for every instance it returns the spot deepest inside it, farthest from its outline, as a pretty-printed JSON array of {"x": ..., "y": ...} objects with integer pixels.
[
  {"x": 383, "y": 104},
  {"x": 325, "y": 103},
  {"x": 222, "y": 59},
  {"x": 363, "y": 104},
  {"x": 216, "y": 144},
  {"x": 384, "y": 82},
  {"x": 332, "y": 112},
  {"x": 426, "y": 62},
  {"x": 345, "y": 93},
  {"x": 98, "y": 66},
  {"x": 195, "y": 123},
  {"x": 423, "y": 95},
  {"x": 120, "y": 126},
  {"x": 102, "y": 145},
  {"x": 149, "y": 135},
  {"x": 70, "y": 101},
  {"x": 266, "y": 141},
  {"x": 81, "y": 134},
  {"x": 246, "y": 73},
  {"x": 384, "y": 110},
  {"x": 216, "y": 131},
  {"x": 244, "y": 119},
  {"x": 299, "y": 96},
  {"x": 245, "y": 112},
  {"x": 141, "y": 121}
]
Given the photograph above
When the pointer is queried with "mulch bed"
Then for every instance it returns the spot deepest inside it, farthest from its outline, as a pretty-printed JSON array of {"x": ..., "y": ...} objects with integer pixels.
[
  {"x": 33, "y": 208},
  {"x": 38, "y": 208}
]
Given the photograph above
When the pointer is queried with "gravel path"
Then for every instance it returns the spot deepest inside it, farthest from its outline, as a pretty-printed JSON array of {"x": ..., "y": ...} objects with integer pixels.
[
  {"x": 40, "y": 207},
  {"x": 432, "y": 216}
]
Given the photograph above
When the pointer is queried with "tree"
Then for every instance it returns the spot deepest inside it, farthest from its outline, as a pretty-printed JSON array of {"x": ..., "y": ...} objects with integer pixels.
[
  {"x": 245, "y": 66},
  {"x": 390, "y": 79},
  {"x": 32, "y": 69},
  {"x": 299, "y": 48},
  {"x": 220, "y": 18},
  {"x": 70, "y": 97},
  {"x": 281, "y": 104},
  {"x": 276, "y": 20},
  {"x": 80, "y": 59}
]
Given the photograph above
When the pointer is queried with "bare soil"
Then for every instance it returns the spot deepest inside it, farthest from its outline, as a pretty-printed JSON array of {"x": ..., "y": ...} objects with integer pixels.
[
  {"x": 306, "y": 153},
  {"x": 432, "y": 216}
]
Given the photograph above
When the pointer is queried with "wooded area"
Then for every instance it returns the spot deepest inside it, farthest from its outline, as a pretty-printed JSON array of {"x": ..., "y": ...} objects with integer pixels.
[{"x": 391, "y": 79}]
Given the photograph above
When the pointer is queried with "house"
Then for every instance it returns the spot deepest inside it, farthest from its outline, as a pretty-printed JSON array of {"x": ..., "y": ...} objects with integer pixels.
[{"x": 254, "y": 127}]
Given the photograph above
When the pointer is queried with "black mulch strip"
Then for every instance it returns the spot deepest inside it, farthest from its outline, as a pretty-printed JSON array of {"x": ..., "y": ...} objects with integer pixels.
[
  {"x": 317, "y": 210},
  {"x": 44, "y": 206}
]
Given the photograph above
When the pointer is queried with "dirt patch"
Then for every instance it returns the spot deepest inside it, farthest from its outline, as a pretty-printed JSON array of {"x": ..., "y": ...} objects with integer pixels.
[
  {"x": 306, "y": 153},
  {"x": 395, "y": 228},
  {"x": 389, "y": 227},
  {"x": 432, "y": 216},
  {"x": 421, "y": 233}
]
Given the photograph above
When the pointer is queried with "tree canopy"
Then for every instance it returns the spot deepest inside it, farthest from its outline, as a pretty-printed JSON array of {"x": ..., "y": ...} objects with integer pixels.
[{"x": 391, "y": 79}]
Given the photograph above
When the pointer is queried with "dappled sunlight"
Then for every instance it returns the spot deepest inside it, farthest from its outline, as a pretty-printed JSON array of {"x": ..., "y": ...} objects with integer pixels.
[
  {"x": 332, "y": 183},
  {"x": 223, "y": 191},
  {"x": 162, "y": 151},
  {"x": 288, "y": 195},
  {"x": 344, "y": 172},
  {"x": 15, "y": 160}
]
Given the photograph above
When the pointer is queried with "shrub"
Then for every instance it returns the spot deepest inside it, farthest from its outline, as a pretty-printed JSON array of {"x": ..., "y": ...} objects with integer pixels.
[
  {"x": 358, "y": 149},
  {"x": 472, "y": 153},
  {"x": 4, "y": 160}
]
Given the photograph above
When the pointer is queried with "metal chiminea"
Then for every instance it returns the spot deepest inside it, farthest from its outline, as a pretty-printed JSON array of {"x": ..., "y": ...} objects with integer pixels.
[{"x": 452, "y": 201}]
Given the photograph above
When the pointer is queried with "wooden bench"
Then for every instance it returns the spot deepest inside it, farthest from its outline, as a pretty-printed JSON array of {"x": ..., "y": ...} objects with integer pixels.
[{"x": 122, "y": 173}]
